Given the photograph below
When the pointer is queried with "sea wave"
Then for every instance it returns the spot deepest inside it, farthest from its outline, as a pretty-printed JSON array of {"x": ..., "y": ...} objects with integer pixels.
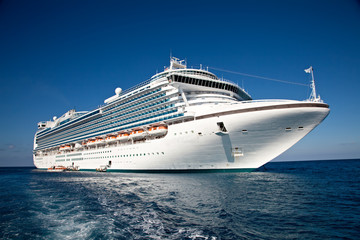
[{"x": 283, "y": 201}]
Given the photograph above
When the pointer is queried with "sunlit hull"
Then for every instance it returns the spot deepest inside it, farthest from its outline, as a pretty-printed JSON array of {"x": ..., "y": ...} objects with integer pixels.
[{"x": 256, "y": 133}]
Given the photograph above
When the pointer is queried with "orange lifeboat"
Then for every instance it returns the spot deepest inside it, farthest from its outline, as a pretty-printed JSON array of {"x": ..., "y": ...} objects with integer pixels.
[
  {"x": 99, "y": 140},
  {"x": 110, "y": 138},
  {"x": 157, "y": 131},
  {"x": 67, "y": 147},
  {"x": 137, "y": 134},
  {"x": 91, "y": 142},
  {"x": 122, "y": 136}
]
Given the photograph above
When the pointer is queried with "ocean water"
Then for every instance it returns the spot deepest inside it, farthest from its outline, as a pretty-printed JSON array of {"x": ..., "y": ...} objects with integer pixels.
[{"x": 288, "y": 200}]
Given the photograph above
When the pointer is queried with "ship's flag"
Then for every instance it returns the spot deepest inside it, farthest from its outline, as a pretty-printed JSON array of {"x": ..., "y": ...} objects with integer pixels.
[{"x": 308, "y": 70}]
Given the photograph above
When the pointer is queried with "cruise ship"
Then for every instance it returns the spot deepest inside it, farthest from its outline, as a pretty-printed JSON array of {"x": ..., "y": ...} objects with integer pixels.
[{"x": 182, "y": 119}]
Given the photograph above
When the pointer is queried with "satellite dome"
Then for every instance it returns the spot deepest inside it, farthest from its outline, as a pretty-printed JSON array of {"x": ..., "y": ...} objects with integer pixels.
[
  {"x": 54, "y": 118},
  {"x": 118, "y": 91}
]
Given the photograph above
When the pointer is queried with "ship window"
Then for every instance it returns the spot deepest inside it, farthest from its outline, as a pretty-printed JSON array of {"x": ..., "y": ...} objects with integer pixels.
[{"x": 182, "y": 79}]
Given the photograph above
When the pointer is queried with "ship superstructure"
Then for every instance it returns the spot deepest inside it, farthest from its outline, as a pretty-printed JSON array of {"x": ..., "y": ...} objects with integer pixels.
[{"x": 179, "y": 119}]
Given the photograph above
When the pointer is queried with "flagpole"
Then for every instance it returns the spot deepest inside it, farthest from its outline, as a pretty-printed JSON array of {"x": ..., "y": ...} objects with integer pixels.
[{"x": 313, "y": 97}]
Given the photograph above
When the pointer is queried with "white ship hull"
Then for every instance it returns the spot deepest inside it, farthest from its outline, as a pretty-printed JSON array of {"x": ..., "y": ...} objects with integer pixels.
[{"x": 256, "y": 133}]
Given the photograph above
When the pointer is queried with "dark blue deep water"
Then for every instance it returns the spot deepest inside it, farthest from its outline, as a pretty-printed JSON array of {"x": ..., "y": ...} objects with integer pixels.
[{"x": 292, "y": 200}]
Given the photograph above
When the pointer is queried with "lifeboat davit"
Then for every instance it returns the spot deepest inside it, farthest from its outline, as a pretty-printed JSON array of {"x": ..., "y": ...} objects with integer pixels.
[
  {"x": 157, "y": 131},
  {"x": 138, "y": 134},
  {"x": 122, "y": 137},
  {"x": 110, "y": 138}
]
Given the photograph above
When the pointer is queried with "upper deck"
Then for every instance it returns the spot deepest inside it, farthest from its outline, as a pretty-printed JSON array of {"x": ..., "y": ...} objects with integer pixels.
[
  {"x": 162, "y": 98},
  {"x": 178, "y": 72}
]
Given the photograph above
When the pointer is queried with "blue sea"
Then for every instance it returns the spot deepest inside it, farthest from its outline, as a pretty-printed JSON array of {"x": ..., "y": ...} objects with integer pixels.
[{"x": 286, "y": 200}]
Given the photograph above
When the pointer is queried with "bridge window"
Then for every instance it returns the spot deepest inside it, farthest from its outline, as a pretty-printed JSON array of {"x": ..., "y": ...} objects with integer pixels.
[{"x": 207, "y": 83}]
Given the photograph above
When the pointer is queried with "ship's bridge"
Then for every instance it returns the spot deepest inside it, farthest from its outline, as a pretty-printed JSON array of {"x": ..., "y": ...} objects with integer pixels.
[{"x": 200, "y": 80}]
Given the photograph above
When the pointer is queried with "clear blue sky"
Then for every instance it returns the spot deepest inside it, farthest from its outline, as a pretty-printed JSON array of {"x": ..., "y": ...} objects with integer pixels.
[{"x": 57, "y": 55}]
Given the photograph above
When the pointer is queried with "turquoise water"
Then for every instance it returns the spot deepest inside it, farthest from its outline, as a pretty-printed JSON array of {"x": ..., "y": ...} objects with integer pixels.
[{"x": 288, "y": 200}]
